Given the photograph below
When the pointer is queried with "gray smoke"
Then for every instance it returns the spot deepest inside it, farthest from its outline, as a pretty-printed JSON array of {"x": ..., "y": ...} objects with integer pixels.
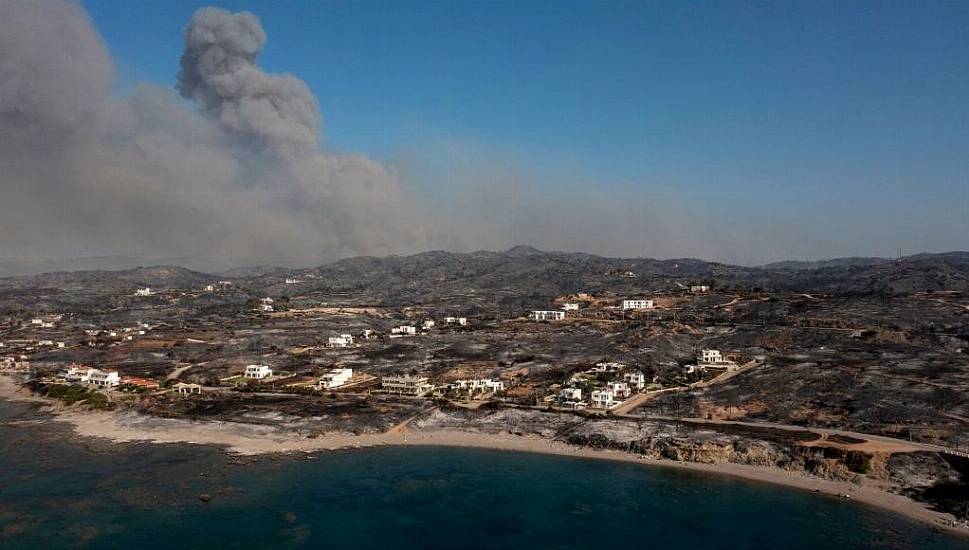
[
  {"x": 219, "y": 71},
  {"x": 83, "y": 173}
]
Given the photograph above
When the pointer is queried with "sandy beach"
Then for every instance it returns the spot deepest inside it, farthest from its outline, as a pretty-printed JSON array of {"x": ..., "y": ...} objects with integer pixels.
[{"x": 250, "y": 439}]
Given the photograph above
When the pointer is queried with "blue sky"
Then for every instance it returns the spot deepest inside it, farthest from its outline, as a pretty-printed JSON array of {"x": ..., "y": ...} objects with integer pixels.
[{"x": 843, "y": 124}]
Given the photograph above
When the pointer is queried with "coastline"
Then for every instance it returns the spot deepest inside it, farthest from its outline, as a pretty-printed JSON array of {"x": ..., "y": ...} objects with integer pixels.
[{"x": 254, "y": 440}]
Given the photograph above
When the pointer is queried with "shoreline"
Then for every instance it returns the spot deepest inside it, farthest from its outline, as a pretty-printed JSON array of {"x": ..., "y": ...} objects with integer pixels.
[{"x": 255, "y": 440}]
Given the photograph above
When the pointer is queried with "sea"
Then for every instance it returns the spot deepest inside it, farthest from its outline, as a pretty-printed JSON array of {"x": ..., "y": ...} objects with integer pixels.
[{"x": 61, "y": 491}]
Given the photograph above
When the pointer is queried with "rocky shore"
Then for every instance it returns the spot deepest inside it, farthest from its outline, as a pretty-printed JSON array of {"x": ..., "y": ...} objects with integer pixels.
[{"x": 903, "y": 482}]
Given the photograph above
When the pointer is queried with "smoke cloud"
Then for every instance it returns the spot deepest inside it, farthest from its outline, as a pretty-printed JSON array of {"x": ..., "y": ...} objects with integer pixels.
[
  {"x": 84, "y": 173},
  {"x": 238, "y": 172},
  {"x": 219, "y": 71}
]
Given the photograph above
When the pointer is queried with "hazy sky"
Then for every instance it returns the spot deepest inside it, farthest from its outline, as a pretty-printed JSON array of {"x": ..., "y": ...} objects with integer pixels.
[{"x": 737, "y": 131}]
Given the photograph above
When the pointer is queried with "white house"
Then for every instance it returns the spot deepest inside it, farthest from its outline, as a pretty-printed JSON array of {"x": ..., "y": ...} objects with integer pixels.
[
  {"x": 268, "y": 308},
  {"x": 340, "y": 341},
  {"x": 428, "y": 324},
  {"x": 571, "y": 306},
  {"x": 714, "y": 358},
  {"x": 635, "y": 380},
  {"x": 637, "y": 304},
  {"x": 210, "y": 288},
  {"x": 547, "y": 315},
  {"x": 711, "y": 356},
  {"x": 257, "y": 372},
  {"x": 13, "y": 362},
  {"x": 699, "y": 289},
  {"x": 403, "y": 330},
  {"x": 406, "y": 384},
  {"x": 103, "y": 378},
  {"x": 609, "y": 366},
  {"x": 335, "y": 378},
  {"x": 602, "y": 399},
  {"x": 187, "y": 389},
  {"x": 456, "y": 321},
  {"x": 571, "y": 394},
  {"x": 143, "y": 291},
  {"x": 477, "y": 385},
  {"x": 620, "y": 390},
  {"x": 76, "y": 373},
  {"x": 292, "y": 281}
]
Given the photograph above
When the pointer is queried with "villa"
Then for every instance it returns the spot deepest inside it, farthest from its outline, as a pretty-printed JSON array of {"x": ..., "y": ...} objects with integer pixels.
[
  {"x": 602, "y": 399},
  {"x": 547, "y": 315},
  {"x": 257, "y": 372},
  {"x": 715, "y": 358},
  {"x": 341, "y": 341},
  {"x": 406, "y": 384},
  {"x": 103, "y": 378},
  {"x": 635, "y": 379},
  {"x": 335, "y": 378}
]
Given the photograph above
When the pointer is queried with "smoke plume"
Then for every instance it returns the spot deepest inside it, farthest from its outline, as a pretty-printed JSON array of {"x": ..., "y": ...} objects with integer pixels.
[
  {"x": 219, "y": 71},
  {"x": 85, "y": 173}
]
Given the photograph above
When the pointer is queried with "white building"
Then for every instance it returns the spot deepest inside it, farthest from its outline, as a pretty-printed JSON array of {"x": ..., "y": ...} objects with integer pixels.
[
  {"x": 571, "y": 394},
  {"x": 292, "y": 281},
  {"x": 406, "y": 384},
  {"x": 210, "y": 288},
  {"x": 711, "y": 356},
  {"x": 428, "y": 324},
  {"x": 637, "y": 304},
  {"x": 76, "y": 373},
  {"x": 335, "y": 378},
  {"x": 547, "y": 315},
  {"x": 609, "y": 366},
  {"x": 341, "y": 341},
  {"x": 699, "y": 289},
  {"x": 15, "y": 363},
  {"x": 403, "y": 330},
  {"x": 691, "y": 369},
  {"x": 143, "y": 291},
  {"x": 620, "y": 390},
  {"x": 456, "y": 321},
  {"x": 257, "y": 372},
  {"x": 635, "y": 380},
  {"x": 714, "y": 358},
  {"x": 477, "y": 385},
  {"x": 571, "y": 306},
  {"x": 103, "y": 378},
  {"x": 602, "y": 399}
]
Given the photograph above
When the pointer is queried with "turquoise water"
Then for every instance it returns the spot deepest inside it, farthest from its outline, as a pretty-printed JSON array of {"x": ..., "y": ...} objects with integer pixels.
[{"x": 55, "y": 492}]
